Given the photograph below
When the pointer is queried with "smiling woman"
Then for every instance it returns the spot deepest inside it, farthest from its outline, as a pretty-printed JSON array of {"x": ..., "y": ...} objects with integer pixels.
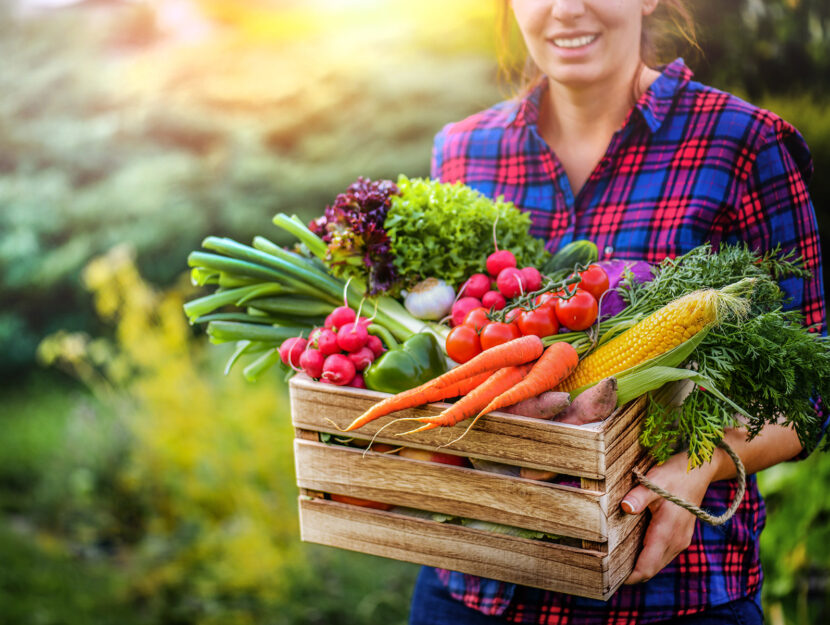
[{"x": 606, "y": 143}]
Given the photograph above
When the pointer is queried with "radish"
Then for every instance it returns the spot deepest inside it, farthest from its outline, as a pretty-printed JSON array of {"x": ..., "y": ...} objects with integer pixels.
[
  {"x": 339, "y": 317},
  {"x": 462, "y": 307},
  {"x": 357, "y": 382},
  {"x": 500, "y": 260},
  {"x": 362, "y": 358},
  {"x": 476, "y": 286},
  {"x": 291, "y": 349},
  {"x": 325, "y": 340},
  {"x": 493, "y": 299},
  {"x": 376, "y": 345},
  {"x": 532, "y": 278},
  {"x": 311, "y": 362},
  {"x": 351, "y": 337},
  {"x": 338, "y": 369},
  {"x": 510, "y": 282}
]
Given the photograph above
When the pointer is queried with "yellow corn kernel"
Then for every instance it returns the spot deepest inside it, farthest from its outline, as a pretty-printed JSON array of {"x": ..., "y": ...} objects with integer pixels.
[{"x": 663, "y": 330}]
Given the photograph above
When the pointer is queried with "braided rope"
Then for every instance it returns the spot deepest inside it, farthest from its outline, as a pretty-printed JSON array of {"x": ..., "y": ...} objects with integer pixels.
[{"x": 699, "y": 512}]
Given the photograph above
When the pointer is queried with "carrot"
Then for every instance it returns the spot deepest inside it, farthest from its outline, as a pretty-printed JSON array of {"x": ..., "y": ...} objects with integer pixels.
[
  {"x": 556, "y": 364},
  {"x": 415, "y": 397},
  {"x": 467, "y": 406},
  {"x": 516, "y": 352}
]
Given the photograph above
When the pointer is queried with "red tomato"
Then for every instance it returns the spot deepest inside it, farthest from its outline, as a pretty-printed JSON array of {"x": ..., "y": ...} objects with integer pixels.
[
  {"x": 540, "y": 321},
  {"x": 512, "y": 315},
  {"x": 579, "y": 312},
  {"x": 548, "y": 298},
  {"x": 463, "y": 343},
  {"x": 594, "y": 280},
  {"x": 477, "y": 318},
  {"x": 497, "y": 333}
]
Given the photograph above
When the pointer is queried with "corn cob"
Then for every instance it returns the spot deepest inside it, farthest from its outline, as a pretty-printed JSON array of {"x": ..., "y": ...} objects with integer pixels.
[{"x": 664, "y": 329}]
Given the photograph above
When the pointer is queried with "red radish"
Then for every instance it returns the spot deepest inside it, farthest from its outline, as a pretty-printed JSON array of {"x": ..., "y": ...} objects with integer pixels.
[
  {"x": 362, "y": 358},
  {"x": 462, "y": 307},
  {"x": 339, "y": 317},
  {"x": 532, "y": 278},
  {"x": 500, "y": 260},
  {"x": 493, "y": 299},
  {"x": 357, "y": 382},
  {"x": 375, "y": 344},
  {"x": 351, "y": 337},
  {"x": 338, "y": 369},
  {"x": 364, "y": 321},
  {"x": 511, "y": 282},
  {"x": 476, "y": 285},
  {"x": 291, "y": 349},
  {"x": 325, "y": 340},
  {"x": 311, "y": 362}
]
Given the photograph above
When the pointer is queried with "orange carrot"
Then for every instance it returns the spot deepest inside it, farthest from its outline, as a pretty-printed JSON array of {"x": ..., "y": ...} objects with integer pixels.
[
  {"x": 516, "y": 352},
  {"x": 467, "y": 406},
  {"x": 414, "y": 397},
  {"x": 556, "y": 364}
]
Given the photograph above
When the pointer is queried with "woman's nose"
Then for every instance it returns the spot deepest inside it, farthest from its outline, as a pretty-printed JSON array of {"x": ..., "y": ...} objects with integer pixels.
[{"x": 567, "y": 9}]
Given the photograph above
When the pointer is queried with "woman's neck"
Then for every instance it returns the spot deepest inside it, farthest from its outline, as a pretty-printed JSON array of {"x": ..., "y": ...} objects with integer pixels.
[{"x": 590, "y": 112}]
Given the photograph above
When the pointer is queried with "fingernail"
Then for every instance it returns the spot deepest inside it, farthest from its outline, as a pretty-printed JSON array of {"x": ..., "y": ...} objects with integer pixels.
[{"x": 628, "y": 507}]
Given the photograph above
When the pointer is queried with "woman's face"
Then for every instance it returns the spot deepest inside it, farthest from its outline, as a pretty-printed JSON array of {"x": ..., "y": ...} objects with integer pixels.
[{"x": 582, "y": 42}]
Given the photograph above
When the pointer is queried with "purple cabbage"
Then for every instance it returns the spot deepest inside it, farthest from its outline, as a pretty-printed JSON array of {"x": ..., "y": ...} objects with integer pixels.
[
  {"x": 357, "y": 241},
  {"x": 612, "y": 301}
]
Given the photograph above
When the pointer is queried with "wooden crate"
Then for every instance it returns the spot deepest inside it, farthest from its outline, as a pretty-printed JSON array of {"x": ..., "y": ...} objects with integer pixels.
[{"x": 599, "y": 542}]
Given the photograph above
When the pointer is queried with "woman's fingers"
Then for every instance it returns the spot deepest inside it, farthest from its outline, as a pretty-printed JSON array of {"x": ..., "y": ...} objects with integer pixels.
[
  {"x": 669, "y": 532},
  {"x": 637, "y": 500}
]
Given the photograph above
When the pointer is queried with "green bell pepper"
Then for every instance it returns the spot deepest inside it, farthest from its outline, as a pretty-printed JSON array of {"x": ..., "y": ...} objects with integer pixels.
[{"x": 415, "y": 361}]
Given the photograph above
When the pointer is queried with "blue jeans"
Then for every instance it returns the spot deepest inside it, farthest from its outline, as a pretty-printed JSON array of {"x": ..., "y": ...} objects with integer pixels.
[{"x": 433, "y": 605}]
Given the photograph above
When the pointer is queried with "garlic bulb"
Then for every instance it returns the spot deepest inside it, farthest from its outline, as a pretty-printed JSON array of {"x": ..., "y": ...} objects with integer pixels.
[{"x": 430, "y": 299}]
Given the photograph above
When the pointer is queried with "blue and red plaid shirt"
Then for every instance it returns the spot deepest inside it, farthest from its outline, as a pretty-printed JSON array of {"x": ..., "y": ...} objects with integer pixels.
[{"x": 690, "y": 164}]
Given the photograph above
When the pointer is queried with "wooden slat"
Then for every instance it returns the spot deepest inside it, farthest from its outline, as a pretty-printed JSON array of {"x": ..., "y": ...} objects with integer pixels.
[
  {"x": 450, "y": 490},
  {"x": 625, "y": 556},
  {"x": 527, "y": 562},
  {"x": 499, "y": 437}
]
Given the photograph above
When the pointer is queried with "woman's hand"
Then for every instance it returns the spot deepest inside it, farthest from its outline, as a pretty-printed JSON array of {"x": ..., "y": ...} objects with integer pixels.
[{"x": 671, "y": 527}]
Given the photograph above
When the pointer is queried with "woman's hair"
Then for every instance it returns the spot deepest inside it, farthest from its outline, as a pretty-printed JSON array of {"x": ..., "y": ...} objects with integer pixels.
[{"x": 669, "y": 27}]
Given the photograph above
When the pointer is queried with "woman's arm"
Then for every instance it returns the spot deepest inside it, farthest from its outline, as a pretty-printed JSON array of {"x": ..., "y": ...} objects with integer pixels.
[{"x": 671, "y": 527}]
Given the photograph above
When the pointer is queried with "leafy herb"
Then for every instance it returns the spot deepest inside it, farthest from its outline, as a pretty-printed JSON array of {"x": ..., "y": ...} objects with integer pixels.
[
  {"x": 353, "y": 228},
  {"x": 768, "y": 363},
  {"x": 445, "y": 231}
]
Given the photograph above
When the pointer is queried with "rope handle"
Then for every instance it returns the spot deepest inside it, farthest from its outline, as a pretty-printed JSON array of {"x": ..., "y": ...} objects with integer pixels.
[{"x": 695, "y": 510}]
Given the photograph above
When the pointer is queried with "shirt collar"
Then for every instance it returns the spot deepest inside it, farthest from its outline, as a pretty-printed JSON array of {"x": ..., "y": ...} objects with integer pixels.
[{"x": 653, "y": 105}]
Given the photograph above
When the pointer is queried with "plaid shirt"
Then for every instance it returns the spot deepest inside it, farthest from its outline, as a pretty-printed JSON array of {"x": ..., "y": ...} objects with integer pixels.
[{"x": 690, "y": 164}]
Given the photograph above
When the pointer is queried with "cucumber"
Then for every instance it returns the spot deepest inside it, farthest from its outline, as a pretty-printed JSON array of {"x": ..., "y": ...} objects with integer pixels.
[{"x": 579, "y": 252}]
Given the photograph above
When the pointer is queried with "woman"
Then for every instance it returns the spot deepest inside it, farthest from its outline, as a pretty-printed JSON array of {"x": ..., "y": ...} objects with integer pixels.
[{"x": 646, "y": 163}]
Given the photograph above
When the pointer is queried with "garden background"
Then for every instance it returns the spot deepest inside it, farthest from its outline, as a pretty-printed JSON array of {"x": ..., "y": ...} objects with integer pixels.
[{"x": 138, "y": 484}]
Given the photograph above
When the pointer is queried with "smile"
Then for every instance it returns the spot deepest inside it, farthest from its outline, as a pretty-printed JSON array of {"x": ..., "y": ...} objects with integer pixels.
[{"x": 574, "y": 42}]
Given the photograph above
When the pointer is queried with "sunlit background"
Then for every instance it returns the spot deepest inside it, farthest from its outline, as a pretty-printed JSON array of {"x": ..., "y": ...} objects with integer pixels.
[{"x": 137, "y": 484}]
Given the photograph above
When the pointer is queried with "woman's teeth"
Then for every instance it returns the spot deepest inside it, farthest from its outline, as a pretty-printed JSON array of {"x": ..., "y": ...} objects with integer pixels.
[{"x": 575, "y": 42}]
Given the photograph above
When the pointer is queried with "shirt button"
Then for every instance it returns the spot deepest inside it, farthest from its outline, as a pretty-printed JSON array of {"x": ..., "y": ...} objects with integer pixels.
[{"x": 608, "y": 251}]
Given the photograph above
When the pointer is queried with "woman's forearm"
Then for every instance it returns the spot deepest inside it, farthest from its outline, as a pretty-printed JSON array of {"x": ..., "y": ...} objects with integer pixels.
[{"x": 775, "y": 443}]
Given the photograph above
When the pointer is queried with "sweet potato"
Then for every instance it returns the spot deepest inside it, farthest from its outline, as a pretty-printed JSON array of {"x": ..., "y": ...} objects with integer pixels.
[
  {"x": 543, "y": 406},
  {"x": 594, "y": 404}
]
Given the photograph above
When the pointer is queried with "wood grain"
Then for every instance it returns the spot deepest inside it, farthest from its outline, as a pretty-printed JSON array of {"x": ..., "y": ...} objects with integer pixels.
[
  {"x": 456, "y": 491},
  {"x": 390, "y": 535},
  {"x": 500, "y": 437}
]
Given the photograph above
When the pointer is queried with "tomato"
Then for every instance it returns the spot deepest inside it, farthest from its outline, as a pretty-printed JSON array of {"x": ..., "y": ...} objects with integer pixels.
[
  {"x": 594, "y": 280},
  {"x": 477, "y": 318},
  {"x": 548, "y": 298},
  {"x": 512, "y": 315},
  {"x": 463, "y": 343},
  {"x": 363, "y": 503},
  {"x": 497, "y": 333},
  {"x": 579, "y": 312},
  {"x": 540, "y": 321}
]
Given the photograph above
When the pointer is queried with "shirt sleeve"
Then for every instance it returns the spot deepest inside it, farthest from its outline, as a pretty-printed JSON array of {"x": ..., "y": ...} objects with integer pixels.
[
  {"x": 437, "y": 162},
  {"x": 776, "y": 209}
]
